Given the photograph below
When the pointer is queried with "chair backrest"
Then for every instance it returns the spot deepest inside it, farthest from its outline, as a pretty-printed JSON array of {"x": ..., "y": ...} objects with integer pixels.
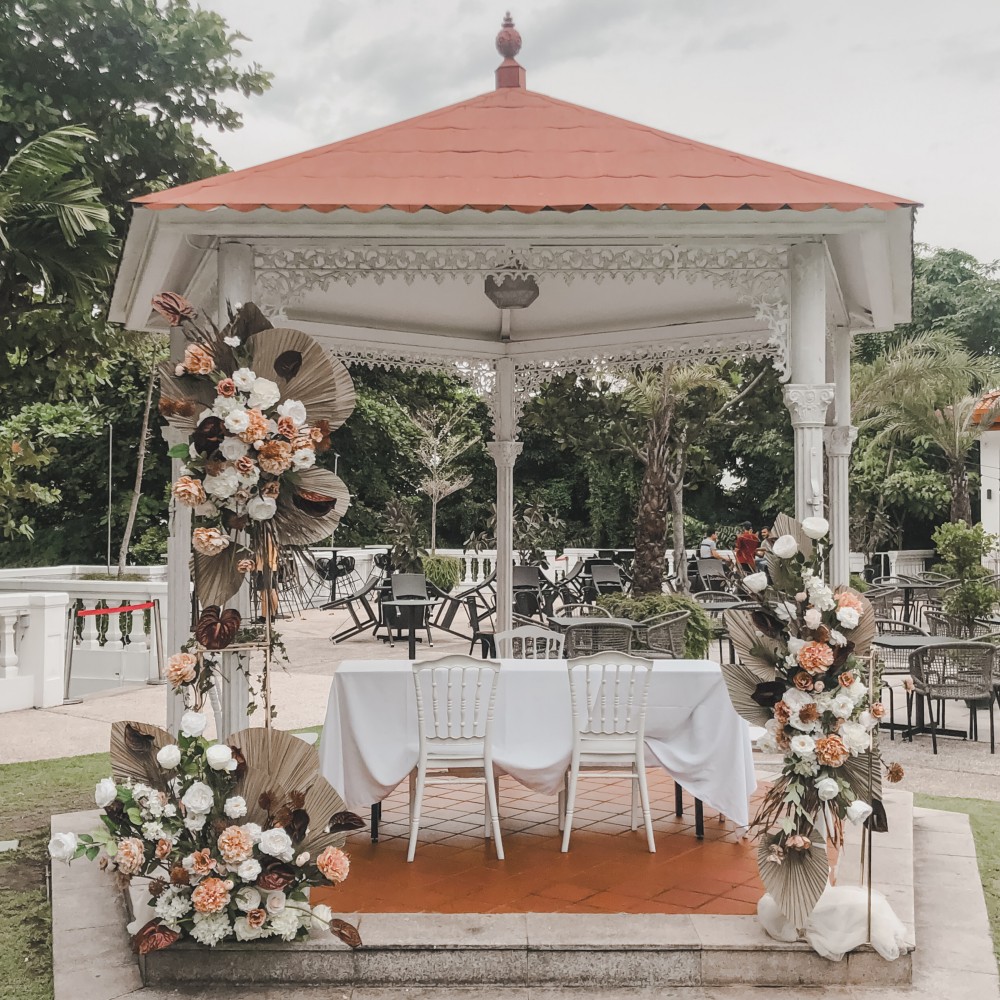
[
  {"x": 583, "y": 611},
  {"x": 526, "y": 576},
  {"x": 455, "y": 698},
  {"x": 472, "y": 607},
  {"x": 527, "y": 602},
  {"x": 408, "y": 585},
  {"x": 666, "y": 632},
  {"x": 893, "y": 626},
  {"x": 955, "y": 670},
  {"x": 715, "y": 597},
  {"x": 711, "y": 567},
  {"x": 607, "y": 578},
  {"x": 595, "y": 636},
  {"x": 531, "y": 642},
  {"x": 609, "y": 693},
  {"x": 884, "y": 600}
]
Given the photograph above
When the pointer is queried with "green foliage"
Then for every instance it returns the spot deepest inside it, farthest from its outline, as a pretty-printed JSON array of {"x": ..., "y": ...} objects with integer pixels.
[
  {"x": 858, "y": 583},
  {"x": 698, "y": 633},
  {"x": 445, "y": 572},
  {"x": 962, "y": 550},
  {"x": 402, "y": 528}
]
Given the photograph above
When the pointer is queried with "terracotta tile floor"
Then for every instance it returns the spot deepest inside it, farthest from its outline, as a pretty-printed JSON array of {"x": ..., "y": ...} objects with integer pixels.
[{"x": 607, "y": 870}]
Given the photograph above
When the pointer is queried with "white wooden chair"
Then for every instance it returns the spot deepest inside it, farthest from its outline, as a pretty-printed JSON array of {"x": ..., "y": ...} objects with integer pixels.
[
  {"x": 455, "y": 699},
  {"x": 532, "y": 642},
  {"x": 608, "y": 695}
]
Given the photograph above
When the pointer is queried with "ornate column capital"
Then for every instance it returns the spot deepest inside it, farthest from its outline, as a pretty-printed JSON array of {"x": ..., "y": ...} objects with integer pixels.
[
  {"x": 839, "y": 440},
  {"x": 808, "y": 404},
  {"x": 504, "y": 452}
]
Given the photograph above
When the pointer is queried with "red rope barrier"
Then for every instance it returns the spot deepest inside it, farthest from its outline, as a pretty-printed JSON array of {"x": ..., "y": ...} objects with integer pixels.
[{"x": 115, "y": 611}]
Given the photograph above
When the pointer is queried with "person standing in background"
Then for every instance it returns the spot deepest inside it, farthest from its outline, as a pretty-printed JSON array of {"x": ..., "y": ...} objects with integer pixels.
[{"x": 747, "y": 545}]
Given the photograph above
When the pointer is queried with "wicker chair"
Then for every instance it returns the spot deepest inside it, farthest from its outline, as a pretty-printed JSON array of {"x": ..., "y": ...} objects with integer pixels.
[
  {"x": 887, "y": 602},
  {"x": 595, "y": 636},
  {"x": 895, "y": 662},
  {"x": 960, "y": 671},
  {"x": 940, "y": 623},
  {"x": 583, "y": 611},
  {"x": 665, "y": 633}
]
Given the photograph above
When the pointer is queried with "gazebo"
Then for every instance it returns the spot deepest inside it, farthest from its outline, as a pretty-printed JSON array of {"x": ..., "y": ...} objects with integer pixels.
[{"x": 513, "y": 237}]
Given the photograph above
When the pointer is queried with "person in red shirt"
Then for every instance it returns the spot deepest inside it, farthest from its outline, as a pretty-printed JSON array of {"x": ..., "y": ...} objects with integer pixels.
[{"x": 747, "y": 544}]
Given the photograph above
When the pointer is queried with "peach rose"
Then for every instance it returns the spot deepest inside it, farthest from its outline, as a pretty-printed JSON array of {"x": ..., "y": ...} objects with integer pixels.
[
  {"x": 202, "y": 862},
  {"x": 848, "y": 599},
  {"x": 271, "y": 490},
  {"x": 803, "y": 681},
  {"x": 256, "y": 918},
  {"x": 130, "y": 855},
  {"x": 245, "y": 566},
  {"x": 287, "y": 428},
  {"x": 831, "y": 751},
  {"x": 197, "y": 361},
  {"x": 846, "y": 679},
  {"x": 235, "y": 845},
  {"x": 877, "y": 709},
  {"x": 244, "y": 465},
  {"x": 782, "y": 713},
  {"x": 163, "y": 848},
  {"x": 211, "y": 896},
  {"x": 815, "y": 657},
  {"x": 334, "y": 865},
  {"x": 256, "y": 427},
  {"x": 189, "y": 491},
  {"x": 275, "y": 457},
  {"x": 797, "y": 842},
  {"x": 209, "y": 541},
  {"x": 226, "y": 387},
  {"x": 181, "y": 668}
]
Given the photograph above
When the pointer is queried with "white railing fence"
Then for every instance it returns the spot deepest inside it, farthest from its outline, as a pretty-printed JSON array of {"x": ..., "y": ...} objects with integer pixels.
[{"x": 32, "y": 638}]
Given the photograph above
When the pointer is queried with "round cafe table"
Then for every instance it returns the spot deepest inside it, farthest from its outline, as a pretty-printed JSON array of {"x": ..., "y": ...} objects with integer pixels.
[{"x": 412, "y": 610}]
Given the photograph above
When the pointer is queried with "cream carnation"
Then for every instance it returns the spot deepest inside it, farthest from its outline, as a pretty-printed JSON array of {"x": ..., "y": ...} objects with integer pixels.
[
  {"x": 785, "y": 547},
  {"x": 249, "y": 870},
  {"x": 304, "y": 458},
  {"x": 235, "y": 807},
  {"x": 237, "y": 421},
  {"x": 233, "y": 449},
  {"x": 244, "y": 379},
  {"x": 264, "y": 394},
  {"x": 210, "y": 928}
]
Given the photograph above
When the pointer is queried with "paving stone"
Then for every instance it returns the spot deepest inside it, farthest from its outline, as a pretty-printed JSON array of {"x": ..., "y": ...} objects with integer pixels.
[
  {"x": 614, "y": 968},
  {"x": 566, "y": 931},
  {"x": 445, "y": 930}
]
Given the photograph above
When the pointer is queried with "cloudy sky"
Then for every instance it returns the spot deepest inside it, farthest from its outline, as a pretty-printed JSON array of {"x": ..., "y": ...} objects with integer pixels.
[{"x": 897, "y": 95}]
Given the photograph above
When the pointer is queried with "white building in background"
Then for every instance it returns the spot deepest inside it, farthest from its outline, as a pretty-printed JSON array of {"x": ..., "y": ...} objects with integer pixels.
[{"x": 989, "y": 471}]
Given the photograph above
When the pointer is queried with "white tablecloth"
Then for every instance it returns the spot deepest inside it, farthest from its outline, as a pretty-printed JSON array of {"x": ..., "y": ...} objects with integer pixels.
[{"x": 370, "y": 739}]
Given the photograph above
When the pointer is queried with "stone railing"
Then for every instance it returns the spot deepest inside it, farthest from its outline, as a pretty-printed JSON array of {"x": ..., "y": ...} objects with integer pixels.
[{"x": 32, "y": 639}]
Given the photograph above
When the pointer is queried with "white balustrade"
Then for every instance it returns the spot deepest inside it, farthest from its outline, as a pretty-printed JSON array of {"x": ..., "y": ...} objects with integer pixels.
[{"x": 32, "y": 637}]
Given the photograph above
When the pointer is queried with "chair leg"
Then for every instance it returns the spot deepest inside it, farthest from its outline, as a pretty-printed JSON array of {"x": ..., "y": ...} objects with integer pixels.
[
  {"x": 415, "y": 812},
  {"x": 892, "y": 713},
  {"x": 574, "y": 774},
  {"x": 494, "y": 814},
  {"x": 678, "y": 800},
  {"x": 993, "y": 740},
  {"x": 647, "y": 818},
  {"x": 699, "y": 819},
  {"x": 486, "y": 807},
  {"x": 934, "y": 722},
  {"x": 413, "y": 791},
  {"x": 635, "y": 811},
  {"x": 909, "y": 715},
  {"x": 561, "y": 806}
]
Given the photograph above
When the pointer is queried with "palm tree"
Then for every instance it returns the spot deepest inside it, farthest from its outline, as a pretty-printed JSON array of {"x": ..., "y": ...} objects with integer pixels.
[
  {"x": 928, "y": 390},
  {"x": 56, "y": 245}
]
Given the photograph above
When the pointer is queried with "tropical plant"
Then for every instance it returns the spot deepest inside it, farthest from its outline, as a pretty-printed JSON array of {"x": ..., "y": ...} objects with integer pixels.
[
  {"x": 698, "y": 633},
  {"x": 445, "y": 572},
  {"x": 402, "y": 527},
  {"x": 962, "y": 550}
]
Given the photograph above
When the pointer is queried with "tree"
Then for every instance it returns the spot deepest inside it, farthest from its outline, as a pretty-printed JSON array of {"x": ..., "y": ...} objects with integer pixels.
[{"x": 440, "y": 445}]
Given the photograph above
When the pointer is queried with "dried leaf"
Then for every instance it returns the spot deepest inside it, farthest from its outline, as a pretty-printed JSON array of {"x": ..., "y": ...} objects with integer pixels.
[
  {"x": 287, "y": 364},
  {"x": 344, "y": 821},
  {"x": 797, "y": 882},
  {"x": 153, "y": 936},
  {"x": 347, "y": 933},
  {"x": 298, "y": 826},
  {"x": 174, "y": 308},
  {"x": 276, "y": 876}
]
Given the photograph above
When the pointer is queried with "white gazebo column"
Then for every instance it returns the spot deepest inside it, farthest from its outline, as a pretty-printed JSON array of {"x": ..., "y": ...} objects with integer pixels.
[
  {"x": 235, "y": 287},
  {"x": 808, "y": 395},
  {"x": 839, "y": 440},
  {"x": 505, "y": 449}
]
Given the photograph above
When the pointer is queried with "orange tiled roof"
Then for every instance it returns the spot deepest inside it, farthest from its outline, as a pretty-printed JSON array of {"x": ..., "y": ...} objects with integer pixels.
[{"x": 516, "y": 149}]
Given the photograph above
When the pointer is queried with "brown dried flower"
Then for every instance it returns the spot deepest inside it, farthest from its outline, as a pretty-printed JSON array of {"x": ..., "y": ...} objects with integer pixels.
[
  {"x": 894, "y": 773},
  {"x": 189, "y": 491}
]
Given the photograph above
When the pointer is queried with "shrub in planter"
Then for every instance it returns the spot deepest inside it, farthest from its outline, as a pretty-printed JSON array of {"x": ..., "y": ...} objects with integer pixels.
[
  {"x": 697, "y": 635},
  {"x": 445, "y": 572},
  {"x": 962, "y": 550}
]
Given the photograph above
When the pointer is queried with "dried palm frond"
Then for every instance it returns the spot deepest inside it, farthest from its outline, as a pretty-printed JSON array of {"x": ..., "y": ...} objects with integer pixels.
[
  {"x": 864, "y": 774},
  {"x": 750, "y": 644},
  {"x": 305, "y": 371},
  {"x": 742, "y": 683},
  {"x": 134, "y": 746},
  {"x": 311, "y": 509},
  {"x": 216, "y": 578},
  {"x": 785, "y": 525},
  {"x": 176, "y": 390},
  {"x": 862, "y": 636},
  {"x": 796, "y": 881}
]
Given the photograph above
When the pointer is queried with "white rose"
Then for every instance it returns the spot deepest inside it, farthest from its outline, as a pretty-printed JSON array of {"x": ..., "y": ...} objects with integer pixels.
[
  {"x": 105, "y": 793},
  {"x": 813, "y": 618},
  {"x": 235, "y": 807},
  {"x": 243, "y": 930},
  {"x": 848, "y": 617},
  {"x": 302, "y": 859},
  {"x": 224, "y": 405},
  {"x": 193, "y": 723},
  {"x": 827, "y": 788},
  {"x": 62, "y": 847},
  {"x": 198, "y": 798},
  {"x": 169, "y": 756},
  {"x": 837, "y": 638},
  {"x": 237, "y": 421},
  {"x": 857, "y": 691},
  {"x": 254, "y": 830},
  {"x": 785, "y": 547},
  {"x": 755, "y": 582},
  {"x": 858, "y": 811},
  {"x": 231, "y": 341},
  {"x": 294, "y": 409},
  {"x": 796, "y": 699},
  {"x": 304, "y": 458},
  {"x": 264, "y": 394},
  {"x": 248, "y": 871},
  {"x": 856, "y": 738},
  {"x": 251, "y": 478},
  {"x": 803, "y": 745},
  {"x": 195, "y": 822},
  {"x": 233, "y": 448},
  {"x": 248, "y": 898},
  {"x": 277, "y": 843},
  {"x": 220, "y": 757},
  {"x": 224, "y": 485},
  {"x": 170, "y": 810},
  {"x": 815, "y": 527},
  {"x": 842, "y": 705},
  {"x": 867, "y": 720},
  {"x": 206, "y": 509},
  {"x": 244, "y": 379},
  {"x": 322, "y": 914},
  {"x": 766, "y": 743},
  {"x": 795, "y": 645},
  {"x": 262, "y": 508},
  {"x": 275, "y": 902}
]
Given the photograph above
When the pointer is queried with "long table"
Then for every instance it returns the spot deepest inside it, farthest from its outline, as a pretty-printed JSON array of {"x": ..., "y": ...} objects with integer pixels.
[{"x": 370, "y": 738}]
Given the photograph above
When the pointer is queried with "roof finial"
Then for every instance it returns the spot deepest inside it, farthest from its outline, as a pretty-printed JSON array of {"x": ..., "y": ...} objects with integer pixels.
[{"x": 510, "y": 73}]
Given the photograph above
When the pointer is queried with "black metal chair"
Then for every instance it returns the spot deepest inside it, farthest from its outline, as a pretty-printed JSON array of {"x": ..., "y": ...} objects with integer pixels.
[
  {"x": 607, "y": 579},
  {"x": 359, "y": 600},
  {"x": 405, "y": 586},
  {"x": 712, "y": 575},
  {"x": 895, "y": 663}
]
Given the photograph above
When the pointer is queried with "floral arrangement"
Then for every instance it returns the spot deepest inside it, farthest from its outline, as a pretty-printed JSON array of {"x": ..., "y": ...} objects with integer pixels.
[
  {"x": 219, "y": 866},
  {"x": 805, "y": 677}
]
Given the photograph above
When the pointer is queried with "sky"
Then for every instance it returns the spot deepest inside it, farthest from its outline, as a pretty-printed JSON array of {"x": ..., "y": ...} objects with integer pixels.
[{"x": 897, "y": 95}]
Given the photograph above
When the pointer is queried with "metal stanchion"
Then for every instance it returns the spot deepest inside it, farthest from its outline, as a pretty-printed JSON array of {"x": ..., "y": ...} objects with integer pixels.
[
  {"x": 158, "y": 635},
  {"x": 68, "y": 662}
]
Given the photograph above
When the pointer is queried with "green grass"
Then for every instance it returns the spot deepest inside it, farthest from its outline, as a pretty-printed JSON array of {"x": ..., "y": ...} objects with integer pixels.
[
  {"x": 29, "y": 796},
  {"x": 984, "y": 817}
]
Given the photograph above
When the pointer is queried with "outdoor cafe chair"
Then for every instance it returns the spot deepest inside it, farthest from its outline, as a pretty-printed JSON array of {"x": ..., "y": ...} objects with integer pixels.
[
  {"x": 594, "y": 636},
  {"x": 608, "y": 697},
  {"x": 530, "y": 642},
  {"x": 479, "y": 634},
  {"x": 405, "y": 586},
  {"x": 886, "y": 602},
  {"x": 607, "y": 579},
  {"x": 665, "y": 633},
  {"x": 894, "y": 662},
  {"x": 359, "y": 606},
  {"x": 712, "y": 574},
  {"x": 455, "y": 700},
  {"x": 940, "y": 623},
  {"x": 959, "y": 671},
  {"x": 583, "y": 611}
]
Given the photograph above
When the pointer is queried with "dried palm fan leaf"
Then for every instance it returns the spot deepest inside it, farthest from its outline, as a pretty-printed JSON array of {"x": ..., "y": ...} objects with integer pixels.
[
  {"x": 216, "y": 578},
  {"x": 311, "y": 509},
  {"x": 864, "y": 634},
  {"x": 785, "y": 525},
  {"x": 305, "y": 371},
  {"x": 134, "y": 746},
  {"x": 797, "y": 881},
  {"x": 864, "y": 774},
  {"x": 183, "y": 398},
  {"x": 743, "y": 685},
  {"x": 323, "y": 802},
  {"x": 750, "y": 644}
]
